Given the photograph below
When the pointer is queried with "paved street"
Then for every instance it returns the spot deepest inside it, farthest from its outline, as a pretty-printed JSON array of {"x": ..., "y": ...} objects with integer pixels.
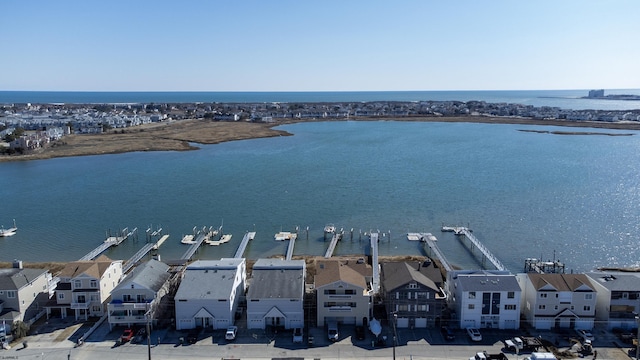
[{"x": 56, "y": 340}]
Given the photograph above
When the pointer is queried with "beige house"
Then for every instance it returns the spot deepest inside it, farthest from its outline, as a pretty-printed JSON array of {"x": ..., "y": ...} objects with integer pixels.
[
  {"x": 558, "y": 300},
  {"x": 23, "y": 292},
  {"x": 85, "y": 286},
  {"x": 343, "y": 291}
]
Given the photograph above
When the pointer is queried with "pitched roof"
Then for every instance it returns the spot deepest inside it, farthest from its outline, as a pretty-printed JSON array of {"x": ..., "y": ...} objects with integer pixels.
[
  {"x": 94, "y": 268},
  {"x": 397, "y": 274},
  {"x": 209, "y": 279},
  {"x": 275, "y": 279},
  {"x": 616, "y": 281},
  {"x": 560, "y": 282},
  {"x": 16, "y": 279},
  {"x": 151, "y": 275},
  {"x": 351, "y": 271}
]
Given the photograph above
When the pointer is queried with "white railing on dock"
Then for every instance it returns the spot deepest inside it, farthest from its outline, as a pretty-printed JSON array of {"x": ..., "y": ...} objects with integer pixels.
[
  {"x": 463, "y": 231},
  {"x": 332, "y": 246},
  {"x": 374, "y": 262},
  {"x": 250, "y": 235}
]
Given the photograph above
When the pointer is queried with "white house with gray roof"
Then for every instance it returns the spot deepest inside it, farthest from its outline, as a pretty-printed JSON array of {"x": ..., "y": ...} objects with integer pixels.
[
  {"x": 23, "y": 292},
  {"x": 617, "y": 299},
  {"x": 138, "y": 295},
  {"x": 485, "y": 299},
  {"x": 209, "y": 293},
  {"x": 276, "y": 294}
]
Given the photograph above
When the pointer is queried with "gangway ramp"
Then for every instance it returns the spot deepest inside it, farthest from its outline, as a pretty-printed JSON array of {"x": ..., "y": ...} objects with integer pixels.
[
  {"x": 337, "y": 236},
  {"x": 292, "y": 242},
  {"x": 248, "y": 236},
  {"x": 374, "y": 259},
  {"x": 194, "y": 247},
  {"x": 487, "y": 255},
  {"x": 137, "y": 256},
  {"x": 436, "y": 251}
]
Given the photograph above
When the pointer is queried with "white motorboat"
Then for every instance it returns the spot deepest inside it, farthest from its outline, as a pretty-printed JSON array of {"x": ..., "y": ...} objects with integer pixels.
[
  {"x": 10, "y": 231},
  {"x": 329, "y": 229}
]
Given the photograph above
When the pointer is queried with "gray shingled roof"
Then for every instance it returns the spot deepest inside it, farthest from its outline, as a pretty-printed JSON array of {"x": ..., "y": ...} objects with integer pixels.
[
  {"x": 16, "y": 279},
  {"x": 397, "y": 274},
  {"x": 275, "y": 279},
  {"x": 616, "y": 281},
  {"x": 208, "y": 279},
  {"x": 151, "y": 275}
]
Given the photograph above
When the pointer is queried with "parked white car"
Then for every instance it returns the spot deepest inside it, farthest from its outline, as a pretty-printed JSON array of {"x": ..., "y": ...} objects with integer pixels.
[
  {"x": 585, "y": 335},
  {"x": 231, "y": 333},
  {"x": 474, "y": 334}
]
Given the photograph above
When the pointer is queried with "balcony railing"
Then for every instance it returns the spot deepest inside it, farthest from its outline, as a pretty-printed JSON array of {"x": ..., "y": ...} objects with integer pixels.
[{"x": 80, "y": 305}]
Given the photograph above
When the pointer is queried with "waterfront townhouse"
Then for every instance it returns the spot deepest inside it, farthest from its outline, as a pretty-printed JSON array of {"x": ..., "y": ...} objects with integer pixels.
[
  {"x": 558, "y": 300},
  {"x": 484, "y": 299},
  {"x": 617, "y": 299},
  {"x": 136, "y": 299},
  {"x": 343, "y": 291},
  {"x": 276, "y": 294},
  {"x": 412, "y": 292},
  {"x": 210, "y": 293},
  {"x": 23, "y": 292},
  {"x": 84, "y": 287}
]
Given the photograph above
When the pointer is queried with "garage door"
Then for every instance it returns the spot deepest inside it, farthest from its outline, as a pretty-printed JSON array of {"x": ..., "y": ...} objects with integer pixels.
[
  {"x": 403, "y": 323},
  {"x": 421, "y": 322}
]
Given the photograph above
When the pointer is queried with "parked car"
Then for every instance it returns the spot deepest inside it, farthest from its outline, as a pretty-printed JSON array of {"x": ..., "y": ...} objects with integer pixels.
[
  {"x": 126, "y": 335},
  {"x": 297, "y": 335},
  {"x": 192, "y": 336},
  {"x": 360, "y": 333},
  {"x": 447, "y": 333},
  {"x": 231, "y": 333},
  {"x": 332, "y": 331},
  {"x": 474, "y": 334},
  {"x": 585, "y": 335}
]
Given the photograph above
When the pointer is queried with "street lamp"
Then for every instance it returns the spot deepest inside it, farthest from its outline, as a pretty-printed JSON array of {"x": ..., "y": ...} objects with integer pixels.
[{"x": 395, "y": 335}]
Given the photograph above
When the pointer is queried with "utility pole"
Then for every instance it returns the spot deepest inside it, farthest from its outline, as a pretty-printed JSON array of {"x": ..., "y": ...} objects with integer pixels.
[
  {"x": 148, "y": 316},
  {"x": 395, "y": 334}
]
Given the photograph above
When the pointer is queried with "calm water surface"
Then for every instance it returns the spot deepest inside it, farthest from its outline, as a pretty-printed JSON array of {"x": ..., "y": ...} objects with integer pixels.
[{"x": 524, "y": 194}]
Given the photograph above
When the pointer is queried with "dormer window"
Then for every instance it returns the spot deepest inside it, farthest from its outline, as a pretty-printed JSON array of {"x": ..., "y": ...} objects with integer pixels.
[
  {"x": 77, "y": 284},
  {"x": 94, "y": 283}
]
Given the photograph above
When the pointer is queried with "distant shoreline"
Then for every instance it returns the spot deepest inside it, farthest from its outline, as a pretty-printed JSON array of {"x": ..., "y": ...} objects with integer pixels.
[{"x": 180, "y": 135}]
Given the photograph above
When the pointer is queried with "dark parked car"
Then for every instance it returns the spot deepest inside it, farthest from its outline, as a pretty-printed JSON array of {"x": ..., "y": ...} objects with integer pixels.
[
  {"x": 360, "y": 332},
  {"x": 192, "y": 336},
  {"x": 447, "y": 333}
]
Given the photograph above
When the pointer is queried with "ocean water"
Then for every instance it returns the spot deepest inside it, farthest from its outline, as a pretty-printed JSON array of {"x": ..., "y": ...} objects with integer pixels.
[
  {"x": 524, "y": 194},
  {"x": 565, "y": 99}
]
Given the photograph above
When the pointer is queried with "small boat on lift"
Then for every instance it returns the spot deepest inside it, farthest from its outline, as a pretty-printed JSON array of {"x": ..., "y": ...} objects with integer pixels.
[
  {"x": 10, "y": 231},
  {"x": 330, "y": 229}
]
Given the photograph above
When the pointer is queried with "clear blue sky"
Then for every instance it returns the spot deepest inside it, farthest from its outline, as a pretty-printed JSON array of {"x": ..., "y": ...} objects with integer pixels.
[{"x": 324, "y": 45}]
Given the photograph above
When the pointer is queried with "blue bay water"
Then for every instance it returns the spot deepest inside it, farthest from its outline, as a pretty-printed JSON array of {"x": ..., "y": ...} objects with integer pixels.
[
  {"x": 524, "y": 194},
  {"x": 565, "y": 99}
]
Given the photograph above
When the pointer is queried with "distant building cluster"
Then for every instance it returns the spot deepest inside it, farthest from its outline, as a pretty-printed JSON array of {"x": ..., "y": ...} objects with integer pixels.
[{"x": 61, "y": 119}]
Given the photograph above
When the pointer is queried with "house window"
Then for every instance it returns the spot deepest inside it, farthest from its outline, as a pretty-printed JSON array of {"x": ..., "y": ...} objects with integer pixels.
[
  {"x": 511, "y": 295},
  {"x": 94, "y": 297},
  {"x": 330, "y": 291},
  {"x": 587, "y": 308},
  {"x": 403, "y": 308},
  {"x": 350, "y": 292},
  {"x": 94, "y": 283},
  {"x": 96, "y": 308},
  {"x": 11, "y": 294},
  {"x": 542, "y": 307},
  {"x": 423, "y": 307},
  {"x": 472, "y": 294},
  {"x": 412, "y": 286},
  {"x": 141, "y": 298},
  {"x": 77, "y": 283},
  {"x": 543, "y": 295},
  {"x": 510, "y": 307},
  {"x": 126, "y": 298},
  {"x": 472, "y": 306},
  {"x": 590, "y": 296},
  {"x": 555, "y": 307},
  {"x": 572, "y": 308},
  {"x": 60, "y": 296}
]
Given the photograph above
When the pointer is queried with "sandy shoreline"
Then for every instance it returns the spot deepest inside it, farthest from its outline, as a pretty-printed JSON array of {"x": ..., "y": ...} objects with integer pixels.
[{"x": 181, "y": 135}]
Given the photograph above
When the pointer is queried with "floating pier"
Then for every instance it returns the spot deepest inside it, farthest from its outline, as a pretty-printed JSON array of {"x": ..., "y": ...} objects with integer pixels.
[
  {"x": 486, "y": 254},
  {"x": 337, "y": 236},
  {"x": 250, "y": 235},
  {"x": 109, "y": 242},
  {"x": 194, "y": 247}
]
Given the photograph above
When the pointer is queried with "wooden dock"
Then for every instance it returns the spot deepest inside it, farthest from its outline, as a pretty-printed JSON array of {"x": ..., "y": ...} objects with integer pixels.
[
  {"x": 461, "y": 231},
  {"x": 436, "y": 251},
  {"x": 292, "y": 243},
  {"x": 188, "y": 255},
  {"x": 109, "y": 242},
  {"x": 250, "y": 235},
  {"x": 374, "y": 261},
  {"x": 337, "y": 236}
]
